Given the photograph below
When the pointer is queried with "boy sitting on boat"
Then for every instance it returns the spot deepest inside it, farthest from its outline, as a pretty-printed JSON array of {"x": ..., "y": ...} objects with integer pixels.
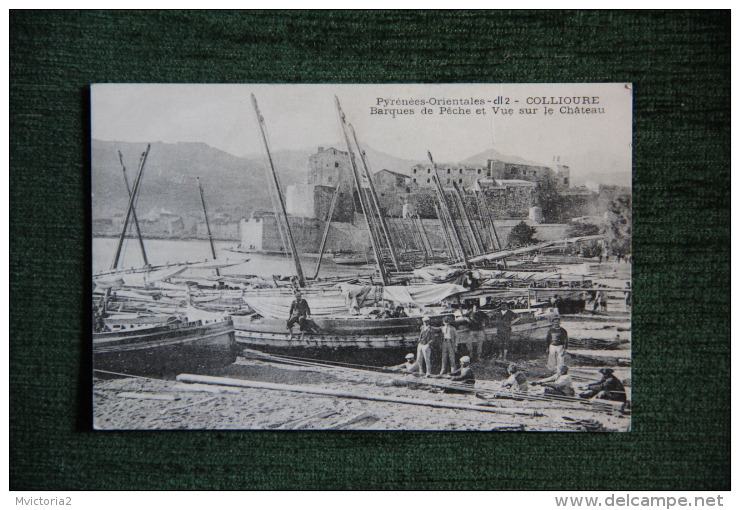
[{"x": 300, "y": 313}]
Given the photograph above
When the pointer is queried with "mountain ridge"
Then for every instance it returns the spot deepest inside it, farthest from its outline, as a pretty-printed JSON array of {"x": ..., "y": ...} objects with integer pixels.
[{"x": 237, "y": 184}]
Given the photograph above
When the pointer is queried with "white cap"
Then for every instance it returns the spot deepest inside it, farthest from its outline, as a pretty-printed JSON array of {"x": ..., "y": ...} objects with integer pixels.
[{"x": 465, "y": 359}]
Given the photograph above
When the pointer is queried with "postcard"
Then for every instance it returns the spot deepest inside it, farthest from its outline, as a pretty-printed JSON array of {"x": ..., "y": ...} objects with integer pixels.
[{"x": 362, "y": 257}]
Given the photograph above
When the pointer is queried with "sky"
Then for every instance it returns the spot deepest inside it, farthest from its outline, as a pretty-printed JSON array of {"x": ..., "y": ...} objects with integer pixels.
[{"x": 305, "y": 116}]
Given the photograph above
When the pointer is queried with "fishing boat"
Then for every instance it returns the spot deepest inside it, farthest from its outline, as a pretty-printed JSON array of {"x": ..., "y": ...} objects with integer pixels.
[
  {"x": 368, "y": 338},
  {"x": 161, "y": 349},
  {"x": 367, "y": 324},
  {"x": 356, "y": 322},
  {"x": 349, "y": 259}
]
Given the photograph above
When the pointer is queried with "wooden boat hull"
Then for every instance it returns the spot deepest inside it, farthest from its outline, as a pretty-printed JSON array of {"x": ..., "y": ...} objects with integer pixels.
[
  {"x": 370, "y": 339},
  {"x": 169, "y": 349}
]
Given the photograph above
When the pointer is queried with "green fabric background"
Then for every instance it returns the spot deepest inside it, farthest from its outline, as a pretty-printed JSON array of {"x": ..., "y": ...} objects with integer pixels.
[{"x": 679, "y": 63}]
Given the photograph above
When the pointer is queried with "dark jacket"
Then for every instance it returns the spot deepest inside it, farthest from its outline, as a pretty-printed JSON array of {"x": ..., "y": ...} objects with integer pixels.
[
  {"x": 557, "y": 336},
  {"x": 464, "y": 374},
  {"x": 478, "y": 321},
  {"x": 429, "y": 335},
  {"x": 607, "y": 383},
  {"x": 299, "y": 308}
]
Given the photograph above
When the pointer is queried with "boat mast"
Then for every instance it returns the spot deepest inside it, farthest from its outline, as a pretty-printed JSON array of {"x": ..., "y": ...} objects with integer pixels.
[
  {"x": 497, "y": 246},
  {"x": 208, "y": 226},
  {"x": 425, "y": 237},
  {"x": 132, "y": 199},
  {"x": 365, "y": 209},
  {"x": 374, "y": 196},
  {"x": 326, "y": 230},
  {"x": 446, "y": 207},
  {"x": 133, "y": 211},
  {"x": 474, "y": 244},
  {"x": 445, "y": 234},
  {"x": 294, "y": 253},
  {"x": 477, "y": 225}
]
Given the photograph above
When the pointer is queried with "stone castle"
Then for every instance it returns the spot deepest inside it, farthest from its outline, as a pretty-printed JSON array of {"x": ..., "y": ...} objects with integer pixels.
[
  {"x": 511, "y": 193},
  {"x": 510, "y": 190}
]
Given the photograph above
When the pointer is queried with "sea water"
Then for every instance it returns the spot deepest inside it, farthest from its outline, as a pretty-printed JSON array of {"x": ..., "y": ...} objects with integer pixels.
[{"x": 163, "y": 251}]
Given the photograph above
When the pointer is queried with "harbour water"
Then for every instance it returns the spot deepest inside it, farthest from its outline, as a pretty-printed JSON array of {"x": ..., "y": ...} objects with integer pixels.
[{"x": 163, "y": 251}]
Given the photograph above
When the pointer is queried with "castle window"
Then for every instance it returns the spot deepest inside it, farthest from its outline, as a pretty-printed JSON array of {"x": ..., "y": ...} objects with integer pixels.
[
  {"x": 414, "y": 172},
  {"x": 460, "y": 171},
  {"x": 428, "y": 181},
  {"x": 336, "y": 164},
  {"x": 429, "y": 170},
  {"x": 460, "y": 180},
  {"x": 414, "y": 179},
  {"x": 479, "y": 171},
  {"x": 448, "y": 171}
]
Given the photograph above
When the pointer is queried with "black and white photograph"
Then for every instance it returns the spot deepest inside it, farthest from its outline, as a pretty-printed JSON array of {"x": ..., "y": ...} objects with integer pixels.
[{"x": 362, "y": 257}]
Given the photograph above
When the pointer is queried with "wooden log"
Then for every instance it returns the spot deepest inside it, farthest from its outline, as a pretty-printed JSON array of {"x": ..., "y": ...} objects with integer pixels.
[
  {"x": 207, "y": 388},
  {"x": 227, "y": 381},
  {"x": 350, "y": 421},
  {"x": 146, "y": 396}
]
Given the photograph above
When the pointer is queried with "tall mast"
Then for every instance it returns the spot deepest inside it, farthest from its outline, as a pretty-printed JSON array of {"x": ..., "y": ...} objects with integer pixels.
[
  {"x": 425, "y": 237},
  {"x": 477, "y": 224},
  {"x": 445, "y": 234},
  {"x": 493, "y": 226},
  {"x": 132, "y": 198},
  {"x": 326, "y": 230},
  {"x": 294, "y": 253},
  {"x": 446, "y": 206},
  {"x": 474, "y": 240},
  {"x": 374, "y": 196},
  {"x": 208, "y": 226},
  {"x": 365, "y": 209},
  {"x": 133, "y": 211}
]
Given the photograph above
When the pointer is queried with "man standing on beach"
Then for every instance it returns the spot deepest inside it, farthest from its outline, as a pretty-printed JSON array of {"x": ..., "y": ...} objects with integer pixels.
[
  {"x": 557, "y": 344},
  {"x": 449, "y": 345},
  {"x": 503, "y": 331},
  {"x": 477, "y": 327},
  {"x": 299, "y": 312},
  {"x": 424, "y": 349}
]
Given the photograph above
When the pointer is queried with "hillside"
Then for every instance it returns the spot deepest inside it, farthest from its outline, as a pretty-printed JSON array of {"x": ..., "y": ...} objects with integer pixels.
[
  {"x": 481, "y": 158},
  {"x": 230, "y": 183},
  {"x": 238, "y": 185}
]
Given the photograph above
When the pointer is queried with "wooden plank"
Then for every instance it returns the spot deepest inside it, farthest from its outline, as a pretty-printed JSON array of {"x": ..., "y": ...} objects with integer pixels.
[
  {"x": 226, "y": 381},
  {"x": 146, "y": 396}
]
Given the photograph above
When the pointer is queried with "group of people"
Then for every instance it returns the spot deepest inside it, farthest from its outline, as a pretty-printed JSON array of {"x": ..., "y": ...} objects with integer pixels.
[
  {"x": 452, "y": 337},
  {"x": 560, "y": 384},
  {"x": 464, "y": 374},
  {"x": 609, "y": 387}
]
